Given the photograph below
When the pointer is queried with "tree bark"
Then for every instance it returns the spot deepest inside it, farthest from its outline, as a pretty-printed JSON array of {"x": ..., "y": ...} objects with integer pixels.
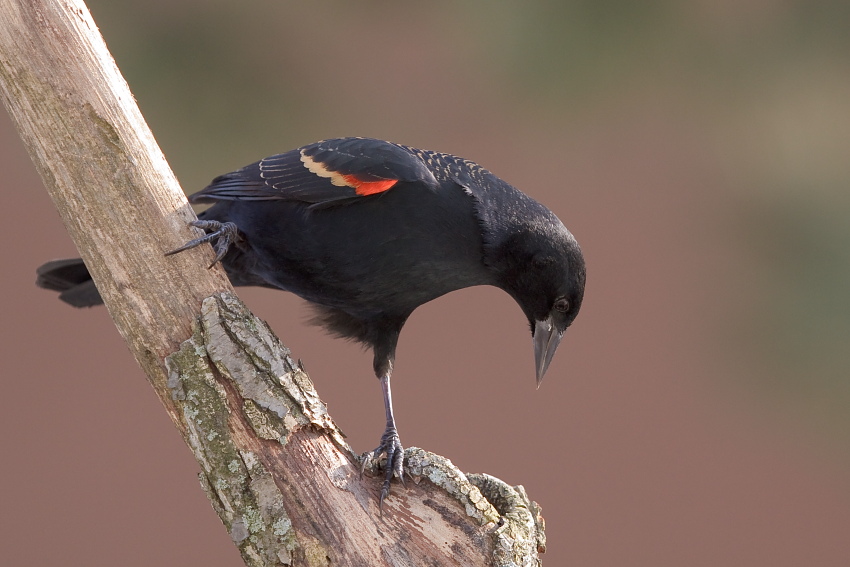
[{"x": 274, "y": 465}]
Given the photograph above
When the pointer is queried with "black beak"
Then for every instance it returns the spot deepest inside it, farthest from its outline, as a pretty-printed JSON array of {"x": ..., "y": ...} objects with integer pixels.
[{"x": 546, "y": 340}]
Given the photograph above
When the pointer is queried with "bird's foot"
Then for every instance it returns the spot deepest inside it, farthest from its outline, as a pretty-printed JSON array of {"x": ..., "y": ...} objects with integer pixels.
[
  {"x": 391, "y": 447},
  {"x": 222, "y": 236}
]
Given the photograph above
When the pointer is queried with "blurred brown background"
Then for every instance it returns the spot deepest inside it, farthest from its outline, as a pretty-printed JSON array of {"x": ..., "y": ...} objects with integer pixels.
[{"x": 696, "y": 413}]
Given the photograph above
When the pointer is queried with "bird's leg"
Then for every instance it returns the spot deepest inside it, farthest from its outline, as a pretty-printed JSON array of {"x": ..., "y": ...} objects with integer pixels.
[
  {"x": 222, "y": 236},
  {"x": 390, "y": 444}
]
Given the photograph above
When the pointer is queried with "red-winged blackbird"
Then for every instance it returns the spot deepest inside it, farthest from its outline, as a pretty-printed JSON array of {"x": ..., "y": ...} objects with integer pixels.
[{"x": 367, "y": 231}]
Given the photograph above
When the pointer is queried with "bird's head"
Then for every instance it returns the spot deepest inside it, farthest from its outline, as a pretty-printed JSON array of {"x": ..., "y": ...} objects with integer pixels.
[{"x": 542, "y": 267}]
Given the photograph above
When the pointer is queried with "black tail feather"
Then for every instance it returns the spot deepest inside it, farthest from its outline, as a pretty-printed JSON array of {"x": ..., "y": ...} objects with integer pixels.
[{"x": 71, "y": 278}]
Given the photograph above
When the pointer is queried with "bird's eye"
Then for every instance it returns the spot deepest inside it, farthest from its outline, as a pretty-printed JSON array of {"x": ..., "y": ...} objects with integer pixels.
[{"x": 562, "y": 305}]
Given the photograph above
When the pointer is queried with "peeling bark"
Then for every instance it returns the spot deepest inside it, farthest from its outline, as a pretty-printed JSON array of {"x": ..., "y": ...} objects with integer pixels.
[{"x": 276, "y": 468}]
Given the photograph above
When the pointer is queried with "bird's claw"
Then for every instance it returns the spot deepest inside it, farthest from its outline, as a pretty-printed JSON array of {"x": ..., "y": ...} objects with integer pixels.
[
  {"x": 222, "y": 236},
  {"x": 391, "y": 447}
]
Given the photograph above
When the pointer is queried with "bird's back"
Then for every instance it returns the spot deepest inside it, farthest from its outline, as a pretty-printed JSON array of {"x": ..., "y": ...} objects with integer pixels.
[{"x": 388, "y": 253}]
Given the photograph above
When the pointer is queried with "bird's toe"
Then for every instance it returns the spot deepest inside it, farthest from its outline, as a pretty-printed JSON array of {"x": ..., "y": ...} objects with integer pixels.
[
  {"x": 392, "y": 448},
  {"x": 222, "y": 236}
]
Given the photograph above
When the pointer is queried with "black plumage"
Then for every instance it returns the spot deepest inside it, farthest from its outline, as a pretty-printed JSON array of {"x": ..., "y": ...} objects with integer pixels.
[{"x": 367, "y": 231}]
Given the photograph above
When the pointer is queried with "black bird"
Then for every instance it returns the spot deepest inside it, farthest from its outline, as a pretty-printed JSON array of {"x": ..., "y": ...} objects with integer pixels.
[{"x": 367, "y": 231}]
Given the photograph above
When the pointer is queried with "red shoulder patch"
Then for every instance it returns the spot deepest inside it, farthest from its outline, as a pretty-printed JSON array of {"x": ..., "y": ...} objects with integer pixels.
[
  {"x": 360, "y": 187},
  {"x": 368, "y": 187}
]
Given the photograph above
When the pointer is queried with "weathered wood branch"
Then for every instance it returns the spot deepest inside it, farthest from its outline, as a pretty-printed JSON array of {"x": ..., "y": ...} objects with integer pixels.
[{"x": 274, "y": 465}]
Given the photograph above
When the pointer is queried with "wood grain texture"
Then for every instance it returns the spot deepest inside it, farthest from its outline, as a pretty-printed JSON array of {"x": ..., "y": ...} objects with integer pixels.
[
  {"x": 110, "y": 182},
  {"x": 275, "y": 467}
]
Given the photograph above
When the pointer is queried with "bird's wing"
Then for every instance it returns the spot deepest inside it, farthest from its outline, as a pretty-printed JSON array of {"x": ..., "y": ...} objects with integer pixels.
[{"x": 326, "y": 173}]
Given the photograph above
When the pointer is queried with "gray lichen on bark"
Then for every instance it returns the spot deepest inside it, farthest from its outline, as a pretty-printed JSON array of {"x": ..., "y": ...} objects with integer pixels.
[
  {"x": 232, "y": 348},
  {"x": 518, "y": 526},
  {"x": 241, "y": 490},
  {"x": 234, "y": 373},
  {"x": 279, "y": 397},
  {"x": 520, "y": 536},
  {"x": 441, "y": 472}
]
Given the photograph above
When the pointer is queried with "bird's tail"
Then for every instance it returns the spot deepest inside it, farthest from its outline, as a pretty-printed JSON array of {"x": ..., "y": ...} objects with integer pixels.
[{"x": 71, "y": 279}]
